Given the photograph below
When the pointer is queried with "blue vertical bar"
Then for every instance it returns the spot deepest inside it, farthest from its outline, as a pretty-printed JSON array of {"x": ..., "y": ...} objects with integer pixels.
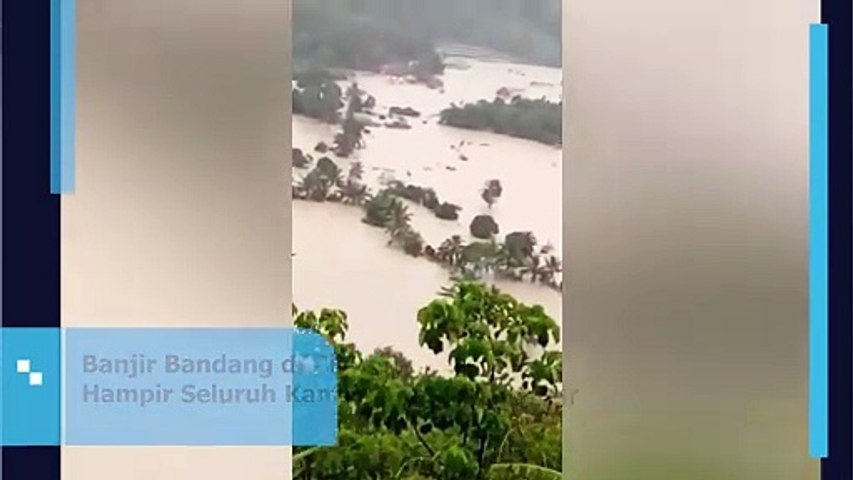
[
  {"x": 67, "y": 93},
  {"x": 55, "y": 150},
  {"x": 818, "y": 242}
]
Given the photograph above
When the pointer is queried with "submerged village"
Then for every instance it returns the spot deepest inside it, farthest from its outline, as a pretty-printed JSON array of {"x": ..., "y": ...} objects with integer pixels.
[
  {"x": 427, "y": 231},
  {"x": 331, "y": 170}
]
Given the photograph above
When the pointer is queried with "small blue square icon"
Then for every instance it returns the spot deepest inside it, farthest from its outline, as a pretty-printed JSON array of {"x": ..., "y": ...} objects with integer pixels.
[{"x": 31, "y": 396}]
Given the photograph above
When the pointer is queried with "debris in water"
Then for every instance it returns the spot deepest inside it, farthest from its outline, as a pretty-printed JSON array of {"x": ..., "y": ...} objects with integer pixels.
[
  {"x": 404, "y": 111},
  {"x": 463, "y": 158},
  {"x": 451, "y": 168},
  {"x": 398, "y": 123}
]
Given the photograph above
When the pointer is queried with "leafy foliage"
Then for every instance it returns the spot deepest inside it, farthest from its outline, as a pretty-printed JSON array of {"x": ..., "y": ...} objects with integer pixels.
[
  {"x": 539, "y": 120},
  {"x": 447, "y": 211},
  {"x": 300, "y": 159},
  {"x": 320, "y": 100},
  {"x": 361, "y": 33},
  {"x": 332, "y": 34},
  {"x": 516, "y": 258},
  {"x": 425, "y": 197},
  {"x": 484, "y": 227},
  {"x": 499, "y": 413},
  {"x": 514, "y": 471}
]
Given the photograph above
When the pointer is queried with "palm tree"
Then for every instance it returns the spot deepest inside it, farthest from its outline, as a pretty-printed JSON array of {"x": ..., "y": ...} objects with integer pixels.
[
  {"x": 479, "y": 258},
  {"x": 450, "y": 251},
  {"x": 505, "y": 263},
  {"x": 533, "y": 267},
  {"x": 350, "y": 137},
  {"x": 356, "y": 171},
  {"x": 377, "y": 208},
  {"x": 354, "y": 193},
  {"x": 398, "y": 220},
  {"x": 550, "y": 269}
]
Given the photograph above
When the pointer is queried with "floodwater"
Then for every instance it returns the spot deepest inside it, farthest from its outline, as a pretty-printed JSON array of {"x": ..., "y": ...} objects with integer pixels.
[{"x": 341, "y": 262}]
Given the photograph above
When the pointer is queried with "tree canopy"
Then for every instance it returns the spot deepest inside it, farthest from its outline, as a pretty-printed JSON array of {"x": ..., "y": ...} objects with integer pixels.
[
  {"x": 498, "y": 415},
  {"x": 360, "y": 33},
  {"x": 539, "y": 120}
]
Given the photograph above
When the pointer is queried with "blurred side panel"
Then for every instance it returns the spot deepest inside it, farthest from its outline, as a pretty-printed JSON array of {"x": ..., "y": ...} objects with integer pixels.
[
  {"x": 686, "y": 237},
  {"x": 181, "y": 213}
]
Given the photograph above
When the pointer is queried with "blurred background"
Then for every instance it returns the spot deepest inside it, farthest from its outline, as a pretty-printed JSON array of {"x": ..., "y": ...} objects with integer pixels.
[
  {"x": 182, "y": 208},
  {"x": 686, "y": 228}
]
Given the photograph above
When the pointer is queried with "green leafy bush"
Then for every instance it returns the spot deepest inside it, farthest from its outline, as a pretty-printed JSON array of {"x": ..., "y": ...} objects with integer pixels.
[{"x": 499, "y": 414}]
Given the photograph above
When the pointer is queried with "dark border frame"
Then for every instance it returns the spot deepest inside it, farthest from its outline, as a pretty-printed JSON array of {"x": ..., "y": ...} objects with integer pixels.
[
  {"x": 31, "y": 215},
  {"x": 837, "y": 14},
  {"x": 31, "y": 230}
]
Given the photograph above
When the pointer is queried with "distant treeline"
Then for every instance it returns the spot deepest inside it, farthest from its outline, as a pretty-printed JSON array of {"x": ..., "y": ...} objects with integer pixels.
[
  {"x": 327, "y": 34},
  {"x": 364, "y": 33},
  {"x": 538, "y": 120}
]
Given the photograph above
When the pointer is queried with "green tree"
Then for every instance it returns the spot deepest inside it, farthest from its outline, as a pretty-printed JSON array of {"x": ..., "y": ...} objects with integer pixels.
[
  {"x": 318, "y": 99},
  {"x": 329, "y": 170},
  {"x": 399, "y": 220},
  {"x": 492, "y": 192},
  {"x": 450, "y": 251},
  {"x": 497, "y": 415},
  {"x": 447, "y": 211},
  {"x": 520, "y": 245},
  {"x": 350, "y": 137},
  {"x": 377, "y": 210},
  {"x": 533, "y": 119},
  {"x": 300, "y": 159},
  {"x": 353, "y": 191},
  {"x": 484, "y": 227}
]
